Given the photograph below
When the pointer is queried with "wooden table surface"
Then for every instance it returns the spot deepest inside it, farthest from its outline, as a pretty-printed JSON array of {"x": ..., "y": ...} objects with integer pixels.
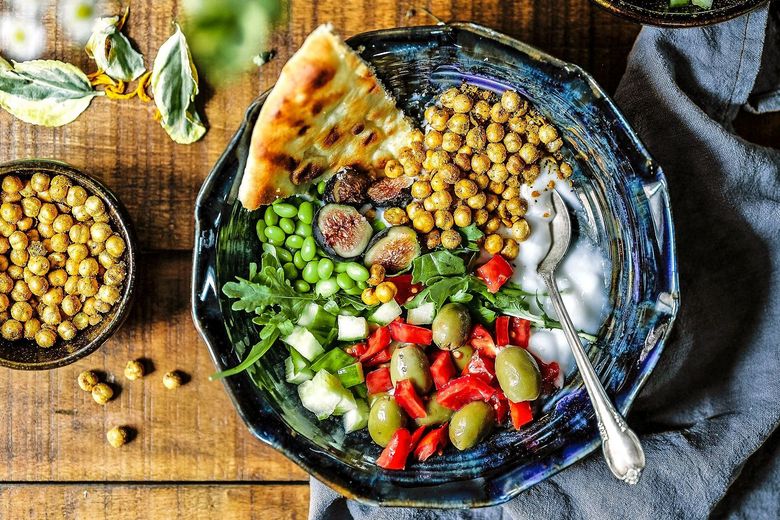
[{"x": 192, "y": 456}]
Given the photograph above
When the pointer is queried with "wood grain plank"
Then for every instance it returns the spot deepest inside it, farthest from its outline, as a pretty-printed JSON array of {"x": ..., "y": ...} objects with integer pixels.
[
  {"x": 130, "y": 502},
  {"x": 158, "y": 180},
  {"x": 50, "y": 430}
]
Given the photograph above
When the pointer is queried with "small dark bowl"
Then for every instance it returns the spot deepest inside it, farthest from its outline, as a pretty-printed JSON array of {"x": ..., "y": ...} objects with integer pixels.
[
  {"x": 25, "y": 354},
  {"x": 626, "y": 212},
  {"x": 658, "y": 12}
]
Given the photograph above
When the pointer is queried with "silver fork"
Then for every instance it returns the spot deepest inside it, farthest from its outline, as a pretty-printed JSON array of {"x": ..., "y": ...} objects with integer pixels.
[{"x": 621, "y": 447}]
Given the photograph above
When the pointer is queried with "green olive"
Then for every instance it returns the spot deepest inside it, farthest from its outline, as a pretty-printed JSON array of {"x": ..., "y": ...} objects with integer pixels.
[
  {"x": 461, "y": 356},
  {"x": 385, "y": 418},
  {"x": 410, "y": 363},
  {"x": 451, "y": 326},
  {"x": 518, "y": 374},
  {"x": 372, "y": 398},
  {"x": 471, "y": 424},
  {"x": 435, "y": 414}
]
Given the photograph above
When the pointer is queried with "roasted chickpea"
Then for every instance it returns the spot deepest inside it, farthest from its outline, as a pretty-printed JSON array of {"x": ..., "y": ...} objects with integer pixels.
[
  {"x": 510, "y": 100},
  {"x": 450, "y": 239},
  {"x": 421, "y": 189},
  {"x": 72, "y": 266},
  {"x": 6, "y": 283},
  {"x": 514, "y": 164},
  {"x": 517, "y": 206},
  {"x": 173, "y": 379},
  {"x": 496, "y": 152},
  {"x": 53, "y": 297},
  {"x": 462, "y": 216},
  {"x": 481, "y": 216},
  {"x": 531, "y": 173},
  {"x": 465, "y": 188},
  {"x": 547, "y": 133},
  {"x": 495, "y": 132},
  {"x": 24, "y": 224},
  {"x": 15, "y": 272},
  {"x": 493, "y": 244},
  {"x": 451, "y": 142},
  {"x": 50, "y": 315},
  {"x": 71, "y": 305},
  {"x": 492, "y": 225},
  {"x": 81, "y": 321},
  {"x": 38, "y": 285},
  {"x": 100, "y": 231},
  {"x": 58, "y": 277},
  {"x": 429, "y": 111},
  {"x": 19, "y": 257},
  {"x": 62, "y": 223},
  {"x": 441, "y": 199},
  {"x": 462, "y": 161},
  {"x": 498, "y": 173},
  {"x": 94, "y": 320},
  {"x": 393, "y": 216},
  {"x": 31, "y": 328},
  {"x": 88, "y": 286},
  {"x": 67, "y": 330},
  {"x": 433, "y": 239},
  {"x": 476, "y": 138},
  {"x": 108, "y": 294},
  {"x": 4, "y": 263},
  {"x": 517, "y": 124},
  {"x": 18, "y": 240},
  {"x": 12, "y": 184},
  {"x": 31, "y": 206},
  {"x": 6, "y": 229},
  {"x": 60, "y": 242},
  {"x": 462, "y": 103},
  {"x": 386, "y": 291},
  {"x": 459, "y": 124},
  {"x": 94, "y": 206},
  {"x": 423, "y": 221},
  {"x": 520, "y": 230},
  {"x": 481, "y": 111},
  {"x": 411, "y": 169},
  {"x": 21, "y": 311},
  {"x": 566, "y": 170},
  {"x": 393, "y": 169},
  {"x": 58, "y": 192},
  {"x": 80, "y": 213},
  {"x": 498, "y": 114},
  {"x": 10, "y": 212},
  {"x": 491, "y": 202},
  {"x": 118, "y": 436},
  {"x": 4, "y": 303},
  {"x": 368, "y": 296},
  {"x": 497, "y": 187},
  {"x": 12, "y": 330},
  {"x": 476, "y": 201},
  {"x": 449, "y": 173},
  {"x": 510, "y": 192},
  {"x": 554, "y": 146},
  {"x": 71, "y": 285},
  {"x": 5, "y": 245},
  {"x": 447, "y": 98},
  {"x": 438, "y": 159},
  {"x": 416, "y": 136},
  {"x": 438, "y": 183},
  {"x": 88, "y": 267},
  {"x": 57, "y": 260},
  {"x": 439, "y": 119},
  {"x": 443, "y": 219},
  {"x": 88, "y": 306},
  {"x": 45, "y": 337},
  {"x": 429, "y": 205},
  {"x": 529, "y": 153},
  {"x": 102, "y": 393},
  {"x": 413, "y": 208},
  {"x": 377, "y": 275},
  {"x": 39, "y": 182},
  {"x": 480, "y": 163},
  {"x": 433, "y": 139},
  {"x": 95, "y": 248},
  {"x": 79, "y": 234},
  {"x": 510, "y": 249}
]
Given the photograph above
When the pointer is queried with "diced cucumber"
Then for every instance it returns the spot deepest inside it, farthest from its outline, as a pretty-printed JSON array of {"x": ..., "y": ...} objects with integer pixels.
[
  {"x": 299, "y": 362},
  {"x": 324, "y": 395},
  {"x": 386, "y": 313},
  {"x": 678, "y": 3},
  {"x": 305, "y": 343},
  {"x": 422, "y": 315},
  {"x": 351, "y": 375},
  {"x": 295, "y": 375},
  {"x": 352, "y": 328},
  {"x": 356, "y": 419},
  {"x": 704, "y": 4},
  {"x": 319, "y": 322},
  {"x": 332, "y": 361},
  {"x": 360, "y": 390}
]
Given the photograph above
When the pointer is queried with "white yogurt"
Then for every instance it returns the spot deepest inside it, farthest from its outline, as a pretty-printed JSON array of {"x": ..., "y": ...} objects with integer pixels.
[{"x": 581, "y": 275}]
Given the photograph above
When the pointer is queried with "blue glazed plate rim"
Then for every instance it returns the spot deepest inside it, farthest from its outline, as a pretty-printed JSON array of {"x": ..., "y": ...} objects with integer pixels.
[{"x": 263, "y": 422}]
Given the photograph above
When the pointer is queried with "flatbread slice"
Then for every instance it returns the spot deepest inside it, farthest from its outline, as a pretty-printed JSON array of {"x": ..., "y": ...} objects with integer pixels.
[{"x": 327, "y": 111}]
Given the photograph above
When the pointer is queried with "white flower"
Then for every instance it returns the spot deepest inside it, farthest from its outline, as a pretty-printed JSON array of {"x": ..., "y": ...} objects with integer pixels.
[
  {"x": 78, "y": 16},
  {"x": 28, "y": 8},
  {"x": 20, "y": 38}
]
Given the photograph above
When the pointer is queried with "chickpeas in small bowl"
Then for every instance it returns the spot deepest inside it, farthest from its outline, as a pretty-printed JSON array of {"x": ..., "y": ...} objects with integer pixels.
[{"x": 67, "y": 264}]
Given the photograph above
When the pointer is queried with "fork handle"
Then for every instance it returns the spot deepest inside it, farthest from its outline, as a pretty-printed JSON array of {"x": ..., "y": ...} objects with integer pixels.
[{"x": 621, "y": 447}]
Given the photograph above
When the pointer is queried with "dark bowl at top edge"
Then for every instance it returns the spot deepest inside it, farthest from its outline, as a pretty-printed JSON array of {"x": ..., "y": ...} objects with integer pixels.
[
  {"x": 25, "y": 354},
  {"x": 658, "y": 12},
  {"x": 627, "y": 206}
]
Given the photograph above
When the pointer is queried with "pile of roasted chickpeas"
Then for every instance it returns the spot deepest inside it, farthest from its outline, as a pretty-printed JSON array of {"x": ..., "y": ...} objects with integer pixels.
[
  {"x": 469, "y": 167},
  {"x": 61, "y": 263}
]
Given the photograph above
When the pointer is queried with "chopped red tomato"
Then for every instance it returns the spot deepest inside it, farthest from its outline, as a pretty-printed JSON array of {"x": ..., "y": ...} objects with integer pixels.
[
  {"x": 417, "y": 436},
  {"x": 406, "y": 333},
  {"x": 495, "y": 273},
  {"x": 406, "y": 290},
  {"x": 379, "y": 359},
  {"x": 502, "y": 331},
  {"x": 521, "y": 414},
  {"x": 500, "y": 406},
  {"x": 464, "y": 390},
  {"x": 519, "y": 332},
  {"x": 434, "y": 442},
  {"x": 481, "y": 366},
  {"x": 407, "y": 398},
  {"x": 442, "y": 369},
  {"x": 397, "y": 450},
  {"x": 481, "y": 339},
  {"x": 550, "y": 374},
  {"x": 356, "y": 350},
  {"x": 379, "y": 381},
  {"x": 377, "y": 341}
]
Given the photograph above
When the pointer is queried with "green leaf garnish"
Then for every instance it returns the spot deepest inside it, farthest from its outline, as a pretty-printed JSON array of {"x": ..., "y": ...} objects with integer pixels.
[
  {"x": 175, "y": 85},
  {"x": 428, "y": 267},
  {"x": 44, "y": 92},
  {"x": 113, "y": 52}
]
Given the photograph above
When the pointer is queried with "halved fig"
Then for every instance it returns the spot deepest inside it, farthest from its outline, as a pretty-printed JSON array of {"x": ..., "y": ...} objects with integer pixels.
[
  {"x": 394, "y": 249},
  {"x": 341, "y": 231},
  {"x": 391, "y": 192},
  {"x": 347, "y": 186}
]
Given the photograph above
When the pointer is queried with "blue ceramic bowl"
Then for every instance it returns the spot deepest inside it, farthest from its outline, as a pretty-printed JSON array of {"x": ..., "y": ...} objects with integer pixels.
[{"x": 627, "y": 212}]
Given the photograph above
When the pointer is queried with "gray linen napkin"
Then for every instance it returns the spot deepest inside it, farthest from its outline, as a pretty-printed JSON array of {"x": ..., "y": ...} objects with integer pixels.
[{"x": 714, "y": 397}]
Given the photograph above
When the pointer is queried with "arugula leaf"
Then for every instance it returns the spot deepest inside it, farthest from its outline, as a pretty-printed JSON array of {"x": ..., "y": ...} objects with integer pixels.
[
  {"x": 430, "y": 266},
  {"x": 113, "y": 52},
  {"x": 267, "y": 340},
  {"x": 175, "y": 85},
  {"x": 472, "y": 233},
  {"x": 44, "y": 92}
]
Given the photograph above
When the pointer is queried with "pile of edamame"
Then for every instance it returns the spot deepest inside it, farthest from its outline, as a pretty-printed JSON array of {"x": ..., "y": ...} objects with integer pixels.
[{"x": 287, "y": 225}]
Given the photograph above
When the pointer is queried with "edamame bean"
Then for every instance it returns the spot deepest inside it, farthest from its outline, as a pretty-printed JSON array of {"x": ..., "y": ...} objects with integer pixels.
[
  {"x": 354, "y": 291},
  {"x": 298, "y": 260},
  {"x": 294, "y": 242},
  {"x": 344, "y": 281},
  {"x": 325, "y": 268},
  {"x": 270, "y": 218},
  {"x": 303, "y": 230},
  {"x": 357, "y": 272},
  {"x": 284, "y": 255},
  {"x": 302, "y": 286},
  {"x": 326, "y": 288},
  {"x": 285, "y": 210},
  {"x": 275, "y": 235},
  {"x": 309, "y": 249},
  {"x": 290, "y": 271},
  {"x": 287, "y": 225},
  {"x": 361, "y": 285},
  {"x": 306, "y": 212},
  {"x": 341, "y": 267},
  {"x": 260, "y": 228},
  {"x": 321, "y": 187},
  {"x": 310, "y": 272}
]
